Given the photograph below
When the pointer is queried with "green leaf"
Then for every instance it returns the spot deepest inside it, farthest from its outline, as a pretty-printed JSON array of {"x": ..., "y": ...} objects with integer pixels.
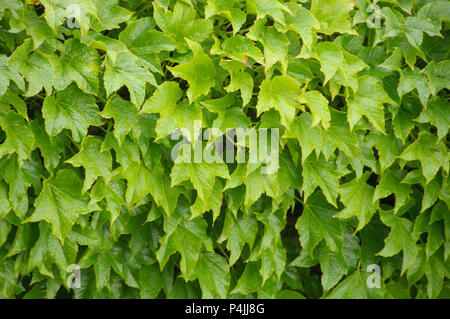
[
  {"x": 200, "y": 64},
  {"x": 239, "y": 80},
  {"x": 303, "y": 22},
  {"x": 60, "y": 203},
  {"x": 368, "y": 101},
  {"x": 70, "y": 109},
  {"x": 187, "y": 238},
  {"x": 35, "y": 67},
  {"x": 357, "y": 197},
  {"x": 355, "y": 287},
  {"x": 81, "y": 10},
  {"x": 437, "y": 75},
  {"x": 318, "y": 172},
  {"x": 202, "y": 175},
  {"x": 324, "y": 141},
  {"x": 283, "y": 100},
  {"x": 127, "y": 70},
  {"x": 50, "y": 148},
  {"x": 318, "y": 223},
  {"x": 250, "y": 280},
  {"x": 142, "y": 181},
  {"x": 181, "y": 23},
  {"x": 330, "y": 57},
  {"x": 212, "y": 272},
  {"x": 144, "y": 42},
  {"x": 273, "y": 8},
  {"x": 6, "y": 76},
  {"x": 413, "y": 79},
  {"x": 431, "y": 153},
  {"x": 318, "y": 105},
  {"x": 437, "y": 113},
  {"x": 110, "y": 15},
  {"x": 333, "y": 15},
  {"x": 390, "y": 183},
  {"x": 95, "y": 162},
  {"x": 124, "y": 114},
  {"x": 399, "y": 239},
  {"x": 173, "y": 114},
  {"x": 19, "y": 136},
  {"x": 80, "y": 64}
]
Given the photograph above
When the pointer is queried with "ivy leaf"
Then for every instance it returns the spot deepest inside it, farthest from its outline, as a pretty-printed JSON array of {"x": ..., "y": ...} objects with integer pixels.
[
  {"x": 273, "y": 8},
  {"x": 368, "y": 101},
  {"x": 50, "y": 148},
  {"x": 318, "y": 105},
  {"x": 19, "y": 136},
  {"x": 213, "y": 202},
  {"x": 95, "y": 162},
  {"x": 181, "y": 23},
  {"x": 303, "y": 22},
  {"x": 200, "y": 64},
  {"x": 437, "y": 75},
  {"x": 142, "y": 181},
  {"x": 81, "y": 10},
  {"x": 212, "y": 272},
  {"x": 60, "y": 202},
  {"x": 173, "y": 114},
  {"x": 78, "y": 63},
  {"x": 202, "y": 175},
  {"x": 19, "y": 179},
  {"x": 415, "y": 27},
  {"x": 187, "y": 238},
  {"x": 437, "y": 113},
  {"x": 318, "y": 172},
  {"x": 436, "y": 273},
  {"x": 333, "y": 15},
  {"x": 399, "y": 239},
  {"x": 330, "y": 57},
  {"x": 250, "y": 280},
  {"x": 6, "y": 75},
  {"x": 238, "y": 232},
  {"x": 34, "y": 25},
  {"x": 126, "y": 70},
  {"x": 391, "y": 183},
  {"x": 35, "y": 67},
  {"x": 238, "y": 48},
  {"x": 318, "y": 223},
  {"x": 355, "y": 287},
  {"x": 275, "y": 46},
  {"x": 141, "y": 39},
  {"x": 332, "y": 265},
  {"x": 324, "y": 141},
  {"x": 110, "y": 15},
  {"x": 410, "y": 79},
  {"x": 431, "y": 153},
  {"x": 283, "y": 100},
  {"x": 388, "y": 148},
  {"x": 357, "y": 197},
  {"x": 226, "y": 8},
  {"x": 124, "y": 114},
  {"x": 70, "y": 109}
]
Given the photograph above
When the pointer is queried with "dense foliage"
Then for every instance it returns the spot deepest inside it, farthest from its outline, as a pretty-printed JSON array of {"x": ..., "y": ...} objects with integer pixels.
[{"x": 91, "y": 91}]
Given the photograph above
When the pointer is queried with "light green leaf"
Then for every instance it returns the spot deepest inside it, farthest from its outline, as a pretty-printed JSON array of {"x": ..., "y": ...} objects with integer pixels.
[
  {"x": 318, "y": 223},
  {"x": 70, "y": 109},
  {"x": 281, "y": 94},
  {"x": 95, "y": 162},
  {"x": 431, "y": 153},
  {"x": 357, "y": 197},
  {"x": 189, "y": 71},
  {"x": 60, "y": 202},
  {"x": 368, "y": 101}
]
